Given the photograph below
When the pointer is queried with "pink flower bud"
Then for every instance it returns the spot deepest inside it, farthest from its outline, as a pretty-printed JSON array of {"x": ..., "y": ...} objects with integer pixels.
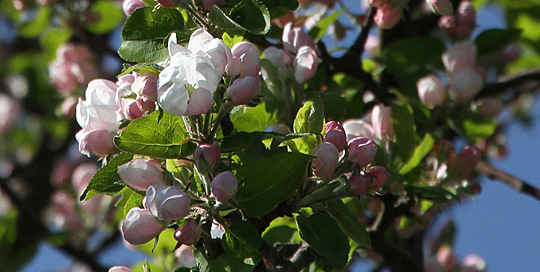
[
  {"x": 64, "y": 207},
  {"x": 465, "y": 84},
  {"x": 119, "y": 269},
  {"x": 207, "y": 153},
  {"x": 466, "y": 13},
  {"x": 245, "y": 60},
  {"x": 359, "y": 185},
  {"x": 473, "y": 263},
  {"x": 145, "y": 85},
  {"x": 464, "y": 30},
  {"x": 294, "y": 38},
  {"x": 335, "y": 134},
  {"x": 446, "y": 258},
  {"x": 185, "y": 256},
  {"x": 200, "y": 102},
  {"x": 459, "y": 56},
  {"x": 167, "y": 202},
  {"x": 188, "y": 234},
  {"x": 358, "y": 127},
  {"x": 131, "y": 109},
  {"x": 166, "y": 3},
  {"x": 381, "y": 119},
  {"x": 82, "y": 175},
  {"x": 325, "y": 161},
  {"x": 9, "y": 110},
  {"x": 140, "y": 174},
  {"x": 463, "y": 163},
  {"x": 124, "y": 84},
  {"x": 224, "y": 186},
  {"x": 69, "y": 105},
  {"x": 448, "y": 24},
  {"x": 98, "y": 142},
  {"x": 145, "y": 104},
  {"x": 488, "y": 107},
  {"x": 284, "y": 20},
  {"x": 387, "y": 17},
  {"x": 443, "y": 7},
  {"x": 305, "y": 64},
  {"x": 140, "y": 226},
  {"x": 362, "y": 151},
  {"x": 378, "y": 176},
  {"x": 208, "y": 4},
  {"x": 243, "y": 89},
  {"x": 512, "y": 52},
  {"x": 130, "y": 5},
  {"x": 431, "y": 90}
]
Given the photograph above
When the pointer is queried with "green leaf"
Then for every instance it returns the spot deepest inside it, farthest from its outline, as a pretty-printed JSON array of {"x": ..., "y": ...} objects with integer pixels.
[
  {"x": 220, "y": 19},
  {"x": 494, "y": 40},
  {"x": 404, "y": 130},
  {"x": 252, "y": 15},
  {"x": 266, "y": 182},
  {"x": 37, "y": 25},
  {"x": 304, "y": 144},
  {"x": 110, "y": 16},
  {"x": 229, "y": 263},
  {"x": 130, "y": 199},
  {"x": 319, "y": 30},
  {"x": 160, "y": 134},
  {"x": 477, "y": 127},
  {"x": 347, "y": 222},
  {"x": 251, "y": 119},
  {"x": 241, "y": 239},
  {"x": 54, "y": 38},
  {"x": 107, "y": 180},
  {"x": 145, "y": 31},
  {"x": 431, "y": 192},
  {"x": 419, "y": 153},
  {"x": 230, "y": 38},
  {"x": 310, "y": 118},
  {"x": 325, "y": 236},
  {"x": 281, "y": 230},
  {"x": 141, "y": 68},
  {"x": 279, "y": 8}
]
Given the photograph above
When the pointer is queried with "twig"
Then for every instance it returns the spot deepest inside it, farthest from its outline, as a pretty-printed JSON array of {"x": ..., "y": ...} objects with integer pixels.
[
  {"x": 508, "y": 179},
  {"x": 513, "y": 81}
]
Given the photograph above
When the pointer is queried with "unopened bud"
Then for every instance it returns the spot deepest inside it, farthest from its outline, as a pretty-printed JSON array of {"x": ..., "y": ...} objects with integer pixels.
[
  {"x": 378, "y": 176},
  {"x": 361, "y": 151},
  {"x": 381, "y": 119},
  {"x": 98, "y": 142},
  {"x": 459, "y": 56},
  {"x": 466, "y": 13},
  {"x": 305, "y": 64},
  {"x": 387, "y": 17},
  {"x": 243, "y": 89},
  {"x": 140, "y": 174},
  {"x": 188, "y": 234},
  {"x": 443, "y": 7},
  {"x": 446, "y": 258},
  {"x": 245, "y": 60},
  {"x": 224, "y": 186},
  {"x": 431, "y": 90},
  {"x": 335, "y": 134},
  {"x": 167, "y": 202},
  {"x": 326, "y": 160},
  {"x": 464, "y": 162},
  {"x": 473, "y": 263},
  {"x": 130, "y": 5},
  {"x": 294, "y": 38},
  {"x": 359, "y": 185},
  {"x": 208, "y": 154},
  {"x": 119, "y": 269},
  {"x": 140, "y": 226},
  {"x": 466, "y": 83}
]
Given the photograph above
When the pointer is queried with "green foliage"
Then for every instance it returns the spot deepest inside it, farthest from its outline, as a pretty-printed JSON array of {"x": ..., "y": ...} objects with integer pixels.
[
  {"x": 145, "y": 31},
  {"x": 241, "y": 239},
  {"x": 419, "y": 153},
  {"x": 107, "y": 180},
  {"x": 110, "y": 16},
  {"x": 495, "y": 40},
  {"x": 404, "y": 130},
  {"x": 267, "y": 182},
  {"x": 476, "y": 127},
  {"x": 347, "y": 222},
  {"x": 160, "y": 134},
  {"x": 251, "y": 119},
  {"x": 250, "y": 15},
  {"x": 310, "y": 118},
  {"x": 319, "y": 30},
  {"x": 37, "y": 25}
]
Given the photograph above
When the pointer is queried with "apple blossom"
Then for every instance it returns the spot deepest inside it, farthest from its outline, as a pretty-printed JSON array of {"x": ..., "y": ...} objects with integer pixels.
[
  {"x": 82, "y": 175},
  {"x": 140, "y": 226},
  {"x": 325, "y": 161},
  {"x": 100, "y": 110},
  {"x": 130, "y": 5},
  {"x": 73, "y": 65},
  {"x": 465, "y": 84},
  {"x": 140, "y": 174},
  {"x": 224, "y": 186},
  {"x": 185, "y": 256},
  {"x": 466, "y": 12},
  {"x": 245, "y": 60},
  {"x": 361, "y": 151},
  {"x": 381, "y": 119},
  {"x": 473, "y": 263},
  {"x": 387, "y": 17},
  {"x": 145, "y": 85},
  {"x": 167, "y": 202},
  {"x": 208, "y": 154},
  {"x": 219, "y": 54},
  {"x": 459, "y": 56},
  {"x": 378, "y": 176},
  {"x": 243, "y": 89},
  {"x": 335, "y": 134},
  {"x": 305, "y": 64},
  {"x": 464, "y": 162},
  {"x": 9, "y": 110},
  {"x": 358, "y": 127},
  {"x": 280, "y": 59},
  {"x": 188, "y": 234},
  {"x": 97, "y": 141},
  {"x": 119, "y": 269},
  {"x": 431, "y": 90},
  {"x": 63, "y": 206},
  {"x": 359, "y": 185},
  {"x": 294, "y": 38}
]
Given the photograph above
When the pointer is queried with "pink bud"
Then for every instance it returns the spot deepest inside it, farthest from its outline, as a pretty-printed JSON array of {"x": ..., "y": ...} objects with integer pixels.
[
  {"x": 82, "y": 175},
  {"x": 358, "y": 127},
  {"x": 185, "y": 256},
  {"x": 9, "y": 110},
  {"x": 465, "y": 84},
  {"x": 512, "y": 52},
  {"x": 335, "y": 134},
  {"x": 145, "y": 85},
  {"x": 98, "y": 142},
  {"x": 119, "y": 269},
  {"x": 208, "y": 4},
  {"x": 459, "y": 56},
  {"x": 378, "y": 176},
  {"x": 362, "y": 151},
  {"x": 387, "y": 17},
  {"x": 140, "y": 226},
  {"x": 140, "y": 174},
  {"x": 488, "y": 107},
  {"x": 131, "y": 109},
  {"x": 443, "y": 7},
  {"x": 167, "y": 202},
  {"x": 381, "y": 119},
  {"x": 466, "y": 13},
  {"x": 208, "y": 153},
  {"x": 446, "y": 258},
  {"x": 69, "y": 106},
  {"x": 166, "y": 3},
  {"x": 188, "y": 234},
  {"x": 224, "y": 186},
  {"x": 130, "y": 5},
  {"x": 294, "y": 38},
  {"x": 431, "y": 90},
  {"x": 245, "y": 60},
  {"x": 464, "y": 30},
  {"x": 280, "y": 59},
  {"x": 463, "y": 163},
  {"x": 145, "y": 104},
  {"x": 305, "y": 64},
  {"x": 326, "y": 159},
  {"x": 243, "y": 89},
  {"x": 448, "y": 24},
  {"x": 473, "y": 263},
  {"x": 359, "y": 185}
]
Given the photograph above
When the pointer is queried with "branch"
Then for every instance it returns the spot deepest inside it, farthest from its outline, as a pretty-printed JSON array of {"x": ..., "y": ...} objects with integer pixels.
[
  {"x": 508, "y": 179},
  {"x": 510, "y": 82}
]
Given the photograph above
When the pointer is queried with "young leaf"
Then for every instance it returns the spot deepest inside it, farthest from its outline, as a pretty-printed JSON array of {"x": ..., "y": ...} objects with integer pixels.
[
  {"x": 477, "y": 127},
  {"x": 319, "y": 30},
  {"x": 251, "y": 119},
  {"x": 144, "y": 33},
  {"x": 494, "y": 40},
  {"x": 241, "y": 239},
  {"x": 346, "y": 221},
  {"x": 420, "y": 152},
  {"x": 310, "y": 118},
  {"x": 160, "y": 134},
  {"x": 266, "y": 182},
  {"x": 324, "y": 235},
  {"x": 107, "y": 180},
  {"x": 252, "y": 15}
]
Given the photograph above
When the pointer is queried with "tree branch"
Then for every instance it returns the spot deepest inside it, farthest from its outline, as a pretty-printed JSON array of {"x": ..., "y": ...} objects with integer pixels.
[
  {"x": 508, "y": 179},
  {"x": 509, "y": 82}
]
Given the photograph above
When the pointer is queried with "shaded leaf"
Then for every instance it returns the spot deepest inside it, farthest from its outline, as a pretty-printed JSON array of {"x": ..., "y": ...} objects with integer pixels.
[
  {"x": 107, "y": 180},
  {"x": 494, "y": 40},
  {"x": 241, "y": 239},
  {"x": 347, "y": 222},
  {"x": 251, "y": 119},
  {"x": 404, "y": 130},
  {"x": 419, "y": 153},
  {"x": 310, "y": 118}
]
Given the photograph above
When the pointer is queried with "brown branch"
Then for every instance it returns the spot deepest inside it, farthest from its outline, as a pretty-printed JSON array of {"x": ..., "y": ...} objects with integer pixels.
[
  {"x": 509, "y": 82},
  {"x": 508, "y": 179}
]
